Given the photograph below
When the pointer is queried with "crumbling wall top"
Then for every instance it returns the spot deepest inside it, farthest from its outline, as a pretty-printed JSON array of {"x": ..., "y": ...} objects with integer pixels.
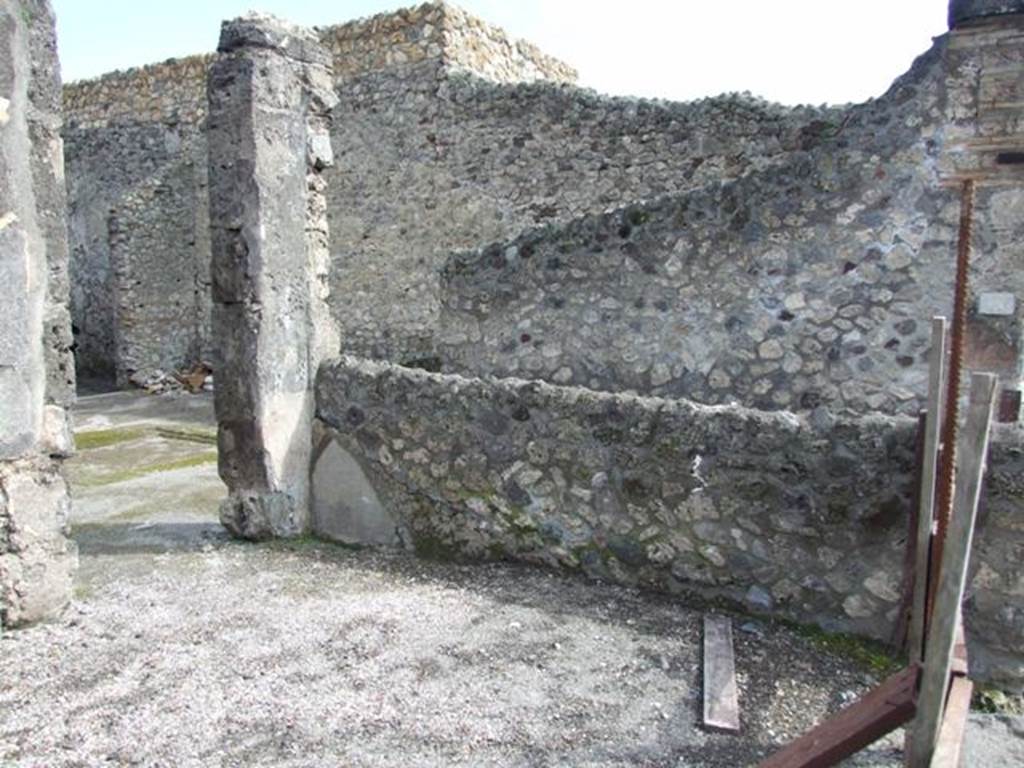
[
  {"x": 440, "y": 31},
  {"x": 171, "y": 91},
  {"x": 961, "y": 11},
  {"x": 174, "y": 91}
]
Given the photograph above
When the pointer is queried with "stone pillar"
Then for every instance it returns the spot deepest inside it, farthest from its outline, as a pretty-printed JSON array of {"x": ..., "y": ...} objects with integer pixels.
[
  {"x": 961, "y": 11},
  {"x": 270, "y": 96},
  {"x": 37, "y": 560}
]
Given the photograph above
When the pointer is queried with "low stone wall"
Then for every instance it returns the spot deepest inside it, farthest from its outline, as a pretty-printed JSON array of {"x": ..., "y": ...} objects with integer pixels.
[{"x": 800, "y": 518}]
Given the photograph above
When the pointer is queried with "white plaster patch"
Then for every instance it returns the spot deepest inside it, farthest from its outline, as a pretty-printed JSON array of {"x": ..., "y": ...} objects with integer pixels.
[
  {"x": 7, "y": 219},
  {"x": 5, "y": 106},
  {"x": 997, "y": 304}
]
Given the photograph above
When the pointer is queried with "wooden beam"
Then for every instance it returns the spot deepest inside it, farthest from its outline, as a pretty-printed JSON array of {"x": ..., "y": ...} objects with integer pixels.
[
  {"x": 951, "y": 736},
  {"x": 953, "y": 572},
  {"x": 901, "y": 628},
  {"x": 721, "y": 695},
  {"x": 882, "y": 710},
  {"x": 926, "y": 493}
]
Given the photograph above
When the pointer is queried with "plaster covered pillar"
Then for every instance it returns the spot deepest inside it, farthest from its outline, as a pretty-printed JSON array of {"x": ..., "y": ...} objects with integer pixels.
[
  {"x": 961, "y": 11},
  {"x": 270, "y": 97},
  {"x": 37, "y": 560}
]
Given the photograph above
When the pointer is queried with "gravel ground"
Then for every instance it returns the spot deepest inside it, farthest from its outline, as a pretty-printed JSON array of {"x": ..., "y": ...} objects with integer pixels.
[
  {"x": 184, "y": 648},
  {"x": 311, "y": 655}
]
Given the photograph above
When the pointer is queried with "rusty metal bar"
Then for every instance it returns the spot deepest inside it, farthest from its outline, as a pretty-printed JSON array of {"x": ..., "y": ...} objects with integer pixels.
[{"x": 950, "y": 427}]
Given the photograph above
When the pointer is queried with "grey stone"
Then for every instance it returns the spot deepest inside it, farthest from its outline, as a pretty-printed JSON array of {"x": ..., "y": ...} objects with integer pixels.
[
  {"x": 967, "y": 10},
  {"x": 37, "y": 560},
  {"x": 262, "y": 516},
  {"x": 268, "y": 233},
  {"x": 760, "y": 598},
  {"x": 345, "y": 505},
  {"x": 997, "y": 304}
]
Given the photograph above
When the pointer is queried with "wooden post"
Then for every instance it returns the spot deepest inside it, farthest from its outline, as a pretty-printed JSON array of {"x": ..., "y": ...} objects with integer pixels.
[
  {"x": 926, "y": 510},
  {"x": 941, "y": 635}
]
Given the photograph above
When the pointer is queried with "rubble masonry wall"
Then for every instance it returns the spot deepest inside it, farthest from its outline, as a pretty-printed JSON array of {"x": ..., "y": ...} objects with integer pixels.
[{"x": 37, "y": 375}]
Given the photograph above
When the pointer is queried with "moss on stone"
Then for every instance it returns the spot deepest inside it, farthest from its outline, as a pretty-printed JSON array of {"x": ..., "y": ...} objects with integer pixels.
[
  {"x": 996, "y": 701},
  {"x": 431, "y": 547},
  {"x": 82, "y": 591},
  {"x": 189, "y": 434},
  {"x": 870, "y": 654},
  {"x": 197, "y": 460},
  {"x": 310, "y": 542},
  {"x": 101, "y": 438}
]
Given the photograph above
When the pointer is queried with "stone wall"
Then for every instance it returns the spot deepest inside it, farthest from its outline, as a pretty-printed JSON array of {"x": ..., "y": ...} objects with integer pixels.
[
  {"x": 137, "y": 179},
  {"x": 428, "y": 163},
  {"x": 961, "y": 11},
  {"x": 445, "y": 144},
  {"x": 173, "y": 91},
  {"x": 137, "y": 210},
  {"x": 36, "y": 373},
  {"x": 728, "y": 502},
  {"x": 443, "y": 33},
  {"x": 806, "y": 283}
]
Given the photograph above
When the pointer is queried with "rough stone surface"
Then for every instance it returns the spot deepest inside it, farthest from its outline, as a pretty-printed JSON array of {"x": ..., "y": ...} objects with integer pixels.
[
  {"x": 806, "y": 283},
  {"x": 270, "y": 99},
  {"x": 434, "y": 162},
  {"x": 787, "y": 259},
  {"x": 137, "y": 165},
  {"x": 36, "y": 373},
  {"x": 755, "y": 507},
  {"x": 140, "y": 246},
  {"x": 967, "y": 10},
  {"x": 372, "y": 658},
  {"x": 449, "y": 136}
]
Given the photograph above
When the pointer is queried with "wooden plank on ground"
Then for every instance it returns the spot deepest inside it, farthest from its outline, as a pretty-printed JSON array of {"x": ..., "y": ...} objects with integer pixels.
[
  {"x": 942, "y": 630},
  {"x": 926, "y": 492},
  {"x": 881, "y": 711},
  {"x": 721, "y": 695},
  {"x": 951, "y": 736}
]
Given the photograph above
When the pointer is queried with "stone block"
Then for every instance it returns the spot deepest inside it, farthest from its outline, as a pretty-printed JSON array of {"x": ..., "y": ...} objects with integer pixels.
[
  {"x": 345, "y": 505},
  {"x": 997, "y": 304}
]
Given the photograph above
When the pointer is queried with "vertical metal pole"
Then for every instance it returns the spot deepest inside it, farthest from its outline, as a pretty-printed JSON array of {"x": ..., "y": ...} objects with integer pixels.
[{"x": 947, "y": 473}]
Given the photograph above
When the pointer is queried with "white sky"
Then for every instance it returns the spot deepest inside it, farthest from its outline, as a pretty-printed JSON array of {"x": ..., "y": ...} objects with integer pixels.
[{"x": 792, "y": 51}]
